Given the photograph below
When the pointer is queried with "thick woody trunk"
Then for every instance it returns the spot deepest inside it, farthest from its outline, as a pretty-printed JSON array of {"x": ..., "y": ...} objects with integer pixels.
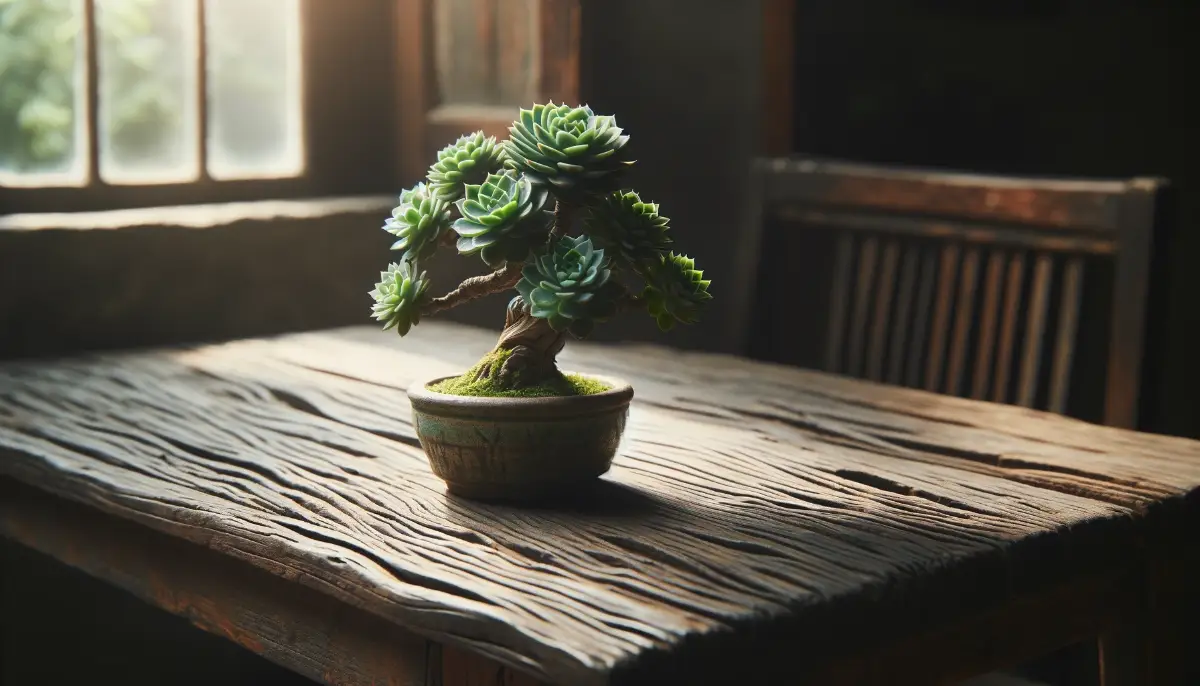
[
  {"x": 524, "y": 356},
  {"x": 525, "y": 353}
]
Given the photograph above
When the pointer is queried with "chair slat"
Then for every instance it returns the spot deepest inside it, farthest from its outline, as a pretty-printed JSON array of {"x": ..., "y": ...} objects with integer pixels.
[
  {"x": 838, "y": 296},
  {"x": 968, "y": 277},
  {"x": 940, "y": 330},
  {"x": 883, "y": 307},
  {"x": 1064, "y": 344},
  {"x": 908, "y": 279},
  {"x": 1035, "y": 328},
  {"x": 868, "y": 253},
  {"x": 987, "y": 325},
  {"x": 951, "y": 281},
  {"x": 1008, "y": 327},
  {"x": 924, "y": 304}
]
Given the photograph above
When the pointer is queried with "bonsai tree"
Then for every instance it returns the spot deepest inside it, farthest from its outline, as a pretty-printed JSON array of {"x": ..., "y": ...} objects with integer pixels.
[{"x": 515, "y": 203}]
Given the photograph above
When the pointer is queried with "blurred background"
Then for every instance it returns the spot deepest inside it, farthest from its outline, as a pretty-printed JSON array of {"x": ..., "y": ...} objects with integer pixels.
[{"x": 175, "y": 171}]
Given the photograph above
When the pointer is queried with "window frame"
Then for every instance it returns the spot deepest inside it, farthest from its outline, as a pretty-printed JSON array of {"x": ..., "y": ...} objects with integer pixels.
[
  {"x": 348, "y": 131},
  {"x": 430, "y": 124}
]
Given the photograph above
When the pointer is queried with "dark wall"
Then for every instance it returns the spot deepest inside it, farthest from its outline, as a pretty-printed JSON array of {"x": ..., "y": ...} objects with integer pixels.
[
  {"x": 1062, "y": 87},
  {"x": 682, "y": 78}
]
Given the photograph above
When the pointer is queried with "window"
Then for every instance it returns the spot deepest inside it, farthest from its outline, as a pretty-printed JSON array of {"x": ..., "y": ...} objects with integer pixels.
[
  {"x": 477, "y": 63},
  {"x": 147, "y": 104},
  {"x": 123, "y": 103}
]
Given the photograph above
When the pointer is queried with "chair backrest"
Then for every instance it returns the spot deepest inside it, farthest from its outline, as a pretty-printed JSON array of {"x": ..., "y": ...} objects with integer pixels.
[{"x": 955, "y": 282}]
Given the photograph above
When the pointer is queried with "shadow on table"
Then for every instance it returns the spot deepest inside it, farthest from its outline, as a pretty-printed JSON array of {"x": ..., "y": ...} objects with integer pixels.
[{"x": 601, "y": 499}]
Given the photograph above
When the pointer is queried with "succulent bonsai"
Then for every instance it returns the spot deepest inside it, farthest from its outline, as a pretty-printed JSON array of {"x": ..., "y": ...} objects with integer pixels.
[{"x": 515, "y": 203}]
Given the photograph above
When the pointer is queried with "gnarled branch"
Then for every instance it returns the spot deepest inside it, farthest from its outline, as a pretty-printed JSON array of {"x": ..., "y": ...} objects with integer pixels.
[
  {"x": 563, "y": 214},
  {"x": 476, "y": 287},
  {"x": 499, "y": 280}
]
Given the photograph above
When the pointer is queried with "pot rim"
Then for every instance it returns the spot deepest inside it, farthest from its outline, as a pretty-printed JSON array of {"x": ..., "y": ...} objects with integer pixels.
[{"x": 559, "y": 406}]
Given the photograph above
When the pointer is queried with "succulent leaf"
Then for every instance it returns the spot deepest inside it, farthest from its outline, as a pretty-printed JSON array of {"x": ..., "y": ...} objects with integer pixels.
[
  {"x": 630, "y": 229},
  {"x": 418, "y": 221},
  {"x": 467, "y": 160},
  {"x": 398, "y": 296},
  {"x": 675, "y": 291},
  {"x": 569, "y": 286},
  {"x": 503, "y": 218},
  {"x": 571, "y": 150}
]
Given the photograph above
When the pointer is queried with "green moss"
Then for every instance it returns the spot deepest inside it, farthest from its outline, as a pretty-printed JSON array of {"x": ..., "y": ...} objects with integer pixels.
[{"x": 561, "y": 385}]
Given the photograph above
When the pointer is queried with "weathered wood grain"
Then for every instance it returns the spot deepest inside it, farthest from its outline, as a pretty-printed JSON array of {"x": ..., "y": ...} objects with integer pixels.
[{"x": 754, "y": 511}]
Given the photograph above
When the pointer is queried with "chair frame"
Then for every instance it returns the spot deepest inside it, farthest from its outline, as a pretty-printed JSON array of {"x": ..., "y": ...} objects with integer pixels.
[{"x": 1106, "y": 217}]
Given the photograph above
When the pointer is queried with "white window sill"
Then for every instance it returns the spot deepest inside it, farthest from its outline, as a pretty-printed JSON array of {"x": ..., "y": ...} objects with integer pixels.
[{"x": 202, "y": 216}]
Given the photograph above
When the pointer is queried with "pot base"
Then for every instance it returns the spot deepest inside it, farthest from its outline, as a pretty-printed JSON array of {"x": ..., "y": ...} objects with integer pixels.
[{"x": 519, "y": 449}]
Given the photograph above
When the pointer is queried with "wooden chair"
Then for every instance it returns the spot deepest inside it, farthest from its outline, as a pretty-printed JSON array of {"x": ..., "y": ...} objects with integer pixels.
[{"x": 957, "y": 283}]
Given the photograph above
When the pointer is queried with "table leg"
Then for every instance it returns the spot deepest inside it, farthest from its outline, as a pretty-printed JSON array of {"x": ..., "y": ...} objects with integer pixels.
[
  {"x": 463, "y": 668},
  {"x": 1157, "y": 647},
  {"x": 1125, "y": 657}
]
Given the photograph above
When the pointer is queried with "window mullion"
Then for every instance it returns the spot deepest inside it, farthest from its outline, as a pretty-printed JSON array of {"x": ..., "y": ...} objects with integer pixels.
[
  {"x": 202, "y": 90},
  {"x": 92, "y": 86}
]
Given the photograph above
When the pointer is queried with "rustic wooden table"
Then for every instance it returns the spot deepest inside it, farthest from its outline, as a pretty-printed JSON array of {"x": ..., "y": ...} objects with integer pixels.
[{"x": 761, "y": 525}]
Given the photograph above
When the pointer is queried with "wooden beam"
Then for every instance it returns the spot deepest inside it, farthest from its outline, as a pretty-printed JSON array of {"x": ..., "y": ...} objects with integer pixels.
[
  {"x": 558, "y": 78},
  {"x": 414, "y": 88}
]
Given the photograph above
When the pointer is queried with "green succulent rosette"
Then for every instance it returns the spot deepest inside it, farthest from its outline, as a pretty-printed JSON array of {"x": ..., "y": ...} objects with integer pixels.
[
  {"x": 675, "y": 291},
  {"x": 631, "y": 230},
  {"x": 503, "y": 218},
  {"x": 398, "y": 296},
  {"x": 467, "y": 160},
  {"x": 570, "y": 149},
  {"x": 570, "y": 286},
  {"x": 418, "y": 221}
]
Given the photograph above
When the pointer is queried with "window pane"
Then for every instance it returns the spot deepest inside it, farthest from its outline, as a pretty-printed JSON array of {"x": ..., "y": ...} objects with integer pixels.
[
  {"x": 486, "y": 52},
  {"x": 42, "y": 99},
  {"x": 147, "y": 90},
  {"x": 254, "y": 127}
]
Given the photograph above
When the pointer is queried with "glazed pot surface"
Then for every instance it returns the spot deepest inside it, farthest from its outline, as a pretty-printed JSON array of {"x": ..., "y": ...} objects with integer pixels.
[{"x": 519, "y": 448}]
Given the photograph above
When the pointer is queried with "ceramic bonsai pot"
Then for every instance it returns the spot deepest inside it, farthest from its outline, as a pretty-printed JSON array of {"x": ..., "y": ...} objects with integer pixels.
[{"x": 519, "y": 449}]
